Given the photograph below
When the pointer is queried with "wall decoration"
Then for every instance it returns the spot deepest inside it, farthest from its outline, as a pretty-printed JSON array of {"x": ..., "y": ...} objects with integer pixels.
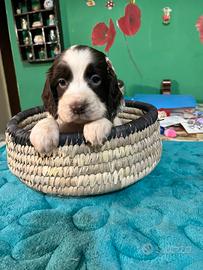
[
  {"x": 51, "y": 19},
  {"x": 35, "y": 5},
  {"x": 29, "y": 54},
  {"x": 102, "y": 34},
  {"x": 199, "y": 26},
  {"x": 26, "y": 37},
  {"x": 23, "y": 24},
  {"x": 90, "y": 3},
  {"x": 110, "y": 4},
  {"x": 38, "y": 29},
  {"x": 56, "y": 50},
  {"x": 37, "y": 24},
  {"x": 166, "y": 16},
  {"x": 129, "y": 24},
  {"x": 52, "y": 36},
  {"x": 42, "y": 54},
  {"x": 48, "y": 4},
  {"x": 38, "y": 39},
  {"x": 37, "y": 20},
  {"x": 18, "y": 11},
  {"x": 21, "y": 7}
]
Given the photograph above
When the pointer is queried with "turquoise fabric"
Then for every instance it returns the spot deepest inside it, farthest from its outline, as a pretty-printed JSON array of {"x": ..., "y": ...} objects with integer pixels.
[{"x": 156, "y": 223}]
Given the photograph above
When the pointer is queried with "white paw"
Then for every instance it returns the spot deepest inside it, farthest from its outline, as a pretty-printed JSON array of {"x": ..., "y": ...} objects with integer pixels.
[
  {"x": 117, "y": 122},
  {"x": 45, "y": 135},
  {"x": 97, "y": 131}
]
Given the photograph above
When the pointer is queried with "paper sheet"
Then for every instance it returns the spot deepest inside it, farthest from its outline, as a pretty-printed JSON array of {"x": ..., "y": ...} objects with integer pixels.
[{"x": 171, "y": 121}]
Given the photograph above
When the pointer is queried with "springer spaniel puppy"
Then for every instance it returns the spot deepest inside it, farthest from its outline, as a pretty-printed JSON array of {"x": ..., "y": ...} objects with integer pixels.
[{"x": 81, "y": 94}]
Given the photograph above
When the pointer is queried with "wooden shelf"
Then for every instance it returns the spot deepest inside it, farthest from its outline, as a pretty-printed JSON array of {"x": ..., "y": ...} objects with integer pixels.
[
  {"x": 51, "y": 42},
  {"x": 35, "y": 28},
  {"x": 33, "y": 12},
  {"x": 23, "y": 45},
  {"x": 50, "y": 26},
  {"x": 42, "y": 60},
  {"x": 38, "y": 27},
  {"x": 38, "y": 44},
  {"x": 35, "y": 50}
]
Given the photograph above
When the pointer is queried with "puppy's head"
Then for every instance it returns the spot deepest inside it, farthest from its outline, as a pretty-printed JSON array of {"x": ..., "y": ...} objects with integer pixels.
[{"x": 81, "y": 86}]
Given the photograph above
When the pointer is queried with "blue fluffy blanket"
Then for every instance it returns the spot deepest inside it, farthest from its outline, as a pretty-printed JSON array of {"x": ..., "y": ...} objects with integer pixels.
[{"x": 156, "y": 223}]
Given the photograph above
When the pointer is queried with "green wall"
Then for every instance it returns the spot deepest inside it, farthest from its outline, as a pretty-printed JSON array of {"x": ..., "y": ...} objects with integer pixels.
[{"x": 161, "y": 52}]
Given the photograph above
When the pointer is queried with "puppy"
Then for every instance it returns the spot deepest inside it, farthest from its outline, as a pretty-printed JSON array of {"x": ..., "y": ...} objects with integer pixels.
[{"x": 81, "y": 94}]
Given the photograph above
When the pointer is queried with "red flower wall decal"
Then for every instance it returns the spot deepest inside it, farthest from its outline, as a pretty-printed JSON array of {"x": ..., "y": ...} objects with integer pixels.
[
  {"x": 102, "y": 34},
  {"x": 130, "y": 22},
  {"x": 199, "y": 26},
  {"x": 99, "y": 34}
]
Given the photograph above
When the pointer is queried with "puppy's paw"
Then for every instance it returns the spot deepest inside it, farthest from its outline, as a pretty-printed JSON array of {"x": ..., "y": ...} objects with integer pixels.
[
  {"x": 97, "y": 131},
  {"x": 45, "y": 135},
  {"x": 117, "y": 121}
]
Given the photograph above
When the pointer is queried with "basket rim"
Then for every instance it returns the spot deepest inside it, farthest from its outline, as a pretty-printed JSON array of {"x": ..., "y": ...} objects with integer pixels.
[{"x": 21, "y": 136}]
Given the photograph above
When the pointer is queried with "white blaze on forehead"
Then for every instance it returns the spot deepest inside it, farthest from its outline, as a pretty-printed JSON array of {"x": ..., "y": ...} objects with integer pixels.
[
  {"x": 78, "y": 60},
  {"x": 78, "y": 90}
]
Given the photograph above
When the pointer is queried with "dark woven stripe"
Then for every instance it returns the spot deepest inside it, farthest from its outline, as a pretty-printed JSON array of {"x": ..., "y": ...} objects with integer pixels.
[{"x": 20, "y": 136}]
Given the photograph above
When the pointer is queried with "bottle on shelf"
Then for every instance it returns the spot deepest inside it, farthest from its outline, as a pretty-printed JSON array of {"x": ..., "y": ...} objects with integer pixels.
[
  {"x": 42, "y": 54},
  {"x": 48, "y": 4},
  {"x": 26, "y": 37},
  {"x": 21, "y": 8},
  {"x": 51, "y": 20},
  {"x": 35, "y": 5},
  {"x": 29, "y": 54},
  {"x": 24, "y": 25},
  {"x": 52, "y": 35}
]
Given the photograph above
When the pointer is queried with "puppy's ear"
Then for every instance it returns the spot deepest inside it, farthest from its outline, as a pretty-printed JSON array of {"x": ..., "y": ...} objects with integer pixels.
[
  {"x": 115, "y": 95},
  {"x": 48, "y": 98}
]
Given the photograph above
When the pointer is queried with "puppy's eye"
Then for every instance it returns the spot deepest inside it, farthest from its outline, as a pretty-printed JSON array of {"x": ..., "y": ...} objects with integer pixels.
[
  {"x": 95, "y": 79},
  {"x": 62, "y": 83}
]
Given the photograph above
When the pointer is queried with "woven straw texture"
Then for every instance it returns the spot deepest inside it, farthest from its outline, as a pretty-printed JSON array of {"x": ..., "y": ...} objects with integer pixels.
[{"x": 77, "y": 169}]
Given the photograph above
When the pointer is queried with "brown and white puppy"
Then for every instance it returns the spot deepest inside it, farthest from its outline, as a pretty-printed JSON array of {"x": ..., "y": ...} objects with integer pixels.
[{"x": 81, "y": 93}]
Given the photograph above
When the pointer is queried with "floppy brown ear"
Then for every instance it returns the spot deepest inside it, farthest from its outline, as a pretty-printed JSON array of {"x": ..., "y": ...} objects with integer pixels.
[{"x": 48, "y": 99}]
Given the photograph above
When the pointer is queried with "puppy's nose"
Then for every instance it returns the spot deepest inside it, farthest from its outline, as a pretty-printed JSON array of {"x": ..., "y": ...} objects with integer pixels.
[{"x": 78, "y": 108}]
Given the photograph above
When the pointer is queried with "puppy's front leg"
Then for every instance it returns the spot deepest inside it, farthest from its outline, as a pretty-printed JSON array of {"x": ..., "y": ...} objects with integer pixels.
[
  {"x": 97, "y": 131},
  {"x": 45, "y": 135}
]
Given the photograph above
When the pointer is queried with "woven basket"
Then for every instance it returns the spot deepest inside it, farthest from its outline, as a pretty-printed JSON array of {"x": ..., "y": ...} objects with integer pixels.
[{"x": 74, "y": 168}]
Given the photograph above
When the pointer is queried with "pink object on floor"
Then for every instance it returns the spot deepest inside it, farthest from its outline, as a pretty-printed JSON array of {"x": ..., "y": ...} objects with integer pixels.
[{"x": 171, "y": 133}]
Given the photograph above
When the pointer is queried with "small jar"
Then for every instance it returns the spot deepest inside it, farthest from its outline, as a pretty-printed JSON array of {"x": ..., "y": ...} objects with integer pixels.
[{"x": 42, "y": 54}]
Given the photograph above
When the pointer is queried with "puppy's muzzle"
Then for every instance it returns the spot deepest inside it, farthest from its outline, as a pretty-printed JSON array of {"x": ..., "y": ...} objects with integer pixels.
[{"x": 78, "y": 108}]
